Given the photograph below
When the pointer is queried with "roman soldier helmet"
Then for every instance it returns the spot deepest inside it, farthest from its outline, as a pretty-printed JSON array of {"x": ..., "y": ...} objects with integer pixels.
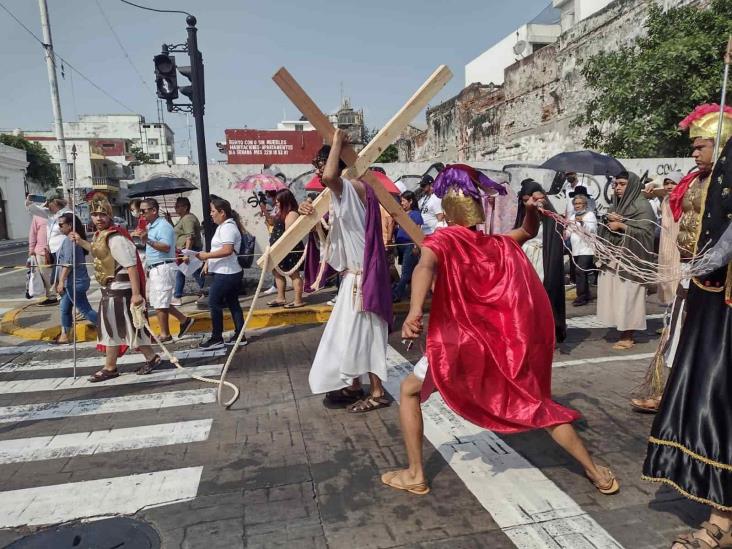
[
  {"x": 99, "y": 203},
  {"x": 459, "y": 186},
  {"x": 703, "y": 122}
]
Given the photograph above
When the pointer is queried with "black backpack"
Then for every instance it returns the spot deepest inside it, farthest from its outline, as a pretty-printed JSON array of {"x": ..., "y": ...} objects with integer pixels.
[{"x": 246, "y": 250}]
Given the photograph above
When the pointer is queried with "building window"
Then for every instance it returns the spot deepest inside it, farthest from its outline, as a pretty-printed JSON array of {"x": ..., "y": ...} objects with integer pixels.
[
  {"x": 299, "y": 127},
  {"x": 108, "y": 145},
  {"x": 153, "y": 141},
  {"x": 155, "y": 156}
]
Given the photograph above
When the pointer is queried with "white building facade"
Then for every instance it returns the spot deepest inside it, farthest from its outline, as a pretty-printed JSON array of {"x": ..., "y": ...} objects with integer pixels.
[{"x": 14, "y": 220}]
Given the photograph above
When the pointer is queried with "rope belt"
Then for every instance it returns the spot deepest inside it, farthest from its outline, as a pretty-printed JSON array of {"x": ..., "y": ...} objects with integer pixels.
[{"x": 357, "y": 292}]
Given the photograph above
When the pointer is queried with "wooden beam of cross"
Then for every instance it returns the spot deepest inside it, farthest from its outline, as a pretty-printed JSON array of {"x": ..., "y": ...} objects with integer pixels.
[{"x": 358, "y": 164}]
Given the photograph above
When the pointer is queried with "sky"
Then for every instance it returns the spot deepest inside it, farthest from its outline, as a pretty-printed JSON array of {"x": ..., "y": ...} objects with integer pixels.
[{"x": 379, "y": 52}]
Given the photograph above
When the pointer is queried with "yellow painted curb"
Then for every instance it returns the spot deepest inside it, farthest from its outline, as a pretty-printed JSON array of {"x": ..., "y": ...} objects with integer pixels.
[{"x": 262, "y": 318}]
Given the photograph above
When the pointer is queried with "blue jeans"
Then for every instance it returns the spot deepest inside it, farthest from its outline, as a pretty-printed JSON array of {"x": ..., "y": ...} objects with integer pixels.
[
  {"x": 409, "y": 262},
  {"x": 82, "y": 304},
  {"x": 224, "y": 292},
  {"x": 180, "y": 282}
]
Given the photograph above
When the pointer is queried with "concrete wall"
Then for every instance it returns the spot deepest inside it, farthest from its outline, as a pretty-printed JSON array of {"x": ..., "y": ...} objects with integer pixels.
[
  {"x": 541, "y": 96},
  {"x": 223, "y": 177},
  {"x": 13, "y": 164}
]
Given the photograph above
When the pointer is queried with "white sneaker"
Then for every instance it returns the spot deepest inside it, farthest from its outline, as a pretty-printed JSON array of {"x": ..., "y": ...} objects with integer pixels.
[
  {"x": 331, "y": 302},
  {"x": 270, "y": 291},
  {"x": 175, "y": 302}
]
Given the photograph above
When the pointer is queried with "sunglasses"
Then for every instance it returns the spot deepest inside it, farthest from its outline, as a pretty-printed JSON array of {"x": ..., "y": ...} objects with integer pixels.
[{"x": 143, "y": 210}]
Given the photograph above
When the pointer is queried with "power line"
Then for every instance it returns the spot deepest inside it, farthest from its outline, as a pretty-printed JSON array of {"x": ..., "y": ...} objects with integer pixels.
[
  {"x": 57, "y": 56},
  {"x": 122, "y": 47},
  {"x": 154, "y": 9}
]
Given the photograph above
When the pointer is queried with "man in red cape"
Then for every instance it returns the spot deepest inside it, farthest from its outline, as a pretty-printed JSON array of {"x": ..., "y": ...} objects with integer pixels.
[{"x": 490, "y": 340}]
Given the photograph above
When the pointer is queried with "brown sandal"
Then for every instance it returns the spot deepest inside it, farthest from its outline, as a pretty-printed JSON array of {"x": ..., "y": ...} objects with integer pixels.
[
  {"x": 648, "y": 405},
  {"x": 390, "y": 479},
  {"x": 722, "y": 538},
  {"x": 611, "y": 487},
  {"x": 369, "y": 404},
  {"x": 149, "y": 366},
  {"x": 103, "y": 375},
  {"x": 344, "y": 396}
]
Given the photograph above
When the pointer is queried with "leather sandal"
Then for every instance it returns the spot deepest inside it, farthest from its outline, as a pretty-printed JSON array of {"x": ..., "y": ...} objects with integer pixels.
[
  {"x": 648, "y": 405},
  {"x": 722, "y": 538},
  {"x": 390, "y": 479},
  {"x": 609, "y": 488},
  {"x": 149, "y": 366},
  {"x": 624, "y": 344},
  {"x": 103, "y": 375}
]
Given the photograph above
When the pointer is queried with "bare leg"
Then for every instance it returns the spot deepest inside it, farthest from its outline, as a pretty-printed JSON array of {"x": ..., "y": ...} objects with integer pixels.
[
  {"x": 567, "y": 438},
  {"x": 723, "y": 519},
  {"x": 147, "y": 352},
  {"x": 163, "y": 319},
  {"x": 410, "y": 415},
  {"x": 177, "y": 314},
  {"x": 110, "y": 359},
  {"x": 297, "y": 285},
  {"x": 280, "y": 283},
  {"x": 377, "y": 388}
]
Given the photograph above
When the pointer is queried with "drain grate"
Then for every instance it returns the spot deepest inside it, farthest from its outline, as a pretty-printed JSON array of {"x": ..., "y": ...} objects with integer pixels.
[{"x": 112, "y": 533}]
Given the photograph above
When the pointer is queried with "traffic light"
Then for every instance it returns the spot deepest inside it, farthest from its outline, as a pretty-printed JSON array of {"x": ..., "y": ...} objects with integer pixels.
[
  {"x": 166, "y": 79},
  {"x": 187, "y": 71}
]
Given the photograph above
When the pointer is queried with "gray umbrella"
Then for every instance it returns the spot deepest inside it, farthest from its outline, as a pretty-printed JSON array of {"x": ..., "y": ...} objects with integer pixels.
[
  {"x": 587, "y": 162},
  {"x": 159, "y": 185}
]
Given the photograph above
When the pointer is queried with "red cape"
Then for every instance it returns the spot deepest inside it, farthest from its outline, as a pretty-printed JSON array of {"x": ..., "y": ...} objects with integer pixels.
[{"x": 490, "y": 341}]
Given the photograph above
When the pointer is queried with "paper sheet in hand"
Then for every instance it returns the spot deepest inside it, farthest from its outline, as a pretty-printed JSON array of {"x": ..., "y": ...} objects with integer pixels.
[{"x": 193, "y": 263}]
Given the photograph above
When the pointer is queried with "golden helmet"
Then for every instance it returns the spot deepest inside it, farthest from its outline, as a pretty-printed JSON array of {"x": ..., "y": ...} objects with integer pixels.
[
  {"x": 704, "y": 122},
  {"x": 461, "y": 209},
  {"x": 100, "y": 204}
]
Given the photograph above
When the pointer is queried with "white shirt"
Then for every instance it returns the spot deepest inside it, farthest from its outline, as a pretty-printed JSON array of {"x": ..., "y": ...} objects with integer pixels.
[
  {"x": 226, "y": 233},
  {"x": 124, "y": 252},
  {"x": 430, "y": 206},
  {"x": 580, "y": 246}
]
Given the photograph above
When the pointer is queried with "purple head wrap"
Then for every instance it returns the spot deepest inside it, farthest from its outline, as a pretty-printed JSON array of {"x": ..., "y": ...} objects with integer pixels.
[{"x": 467, "y": 179}]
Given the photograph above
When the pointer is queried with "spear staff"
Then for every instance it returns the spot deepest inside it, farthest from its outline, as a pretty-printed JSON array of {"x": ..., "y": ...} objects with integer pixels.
[{"x": 723, "y": 100}]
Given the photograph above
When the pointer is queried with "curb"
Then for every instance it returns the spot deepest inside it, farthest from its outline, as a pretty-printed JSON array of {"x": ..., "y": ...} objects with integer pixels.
[{"x": 262, "y": 318}]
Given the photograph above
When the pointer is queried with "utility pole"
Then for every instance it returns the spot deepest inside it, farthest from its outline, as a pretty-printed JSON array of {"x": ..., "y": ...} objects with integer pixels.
[{"x": 55, "y": 102}]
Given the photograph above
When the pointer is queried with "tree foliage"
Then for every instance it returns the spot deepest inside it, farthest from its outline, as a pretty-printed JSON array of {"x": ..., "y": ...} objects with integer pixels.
[
  {"x": 642, "y": 91},
  {"x": 389, "y": 154},
  {"x": 140, "y": 156},
  {"x": 40, "y": 165}
]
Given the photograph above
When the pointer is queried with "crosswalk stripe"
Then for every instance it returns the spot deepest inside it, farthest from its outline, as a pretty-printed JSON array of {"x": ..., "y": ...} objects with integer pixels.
[
  {"x": 40, "y": 347},
  {"x": 100, "y": 442},
  {"x": 111, "y": 405},
  {"x": 602, "y": 359},
  {"x": 65, "y": 383},
  {"x": 97, "y": 498},
  {"x": 89, "y": 362},
  {"x": 528, "y": 507}
]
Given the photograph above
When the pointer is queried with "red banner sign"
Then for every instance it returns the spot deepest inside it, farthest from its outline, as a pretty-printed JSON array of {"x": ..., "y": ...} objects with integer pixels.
[{"x": 272, "y": 146}]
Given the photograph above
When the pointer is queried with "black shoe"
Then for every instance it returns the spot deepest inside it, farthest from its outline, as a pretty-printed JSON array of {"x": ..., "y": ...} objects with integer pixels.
[
  {"x": 232, "y": 340},
  {"x": 48, "y": 301},
  {"x": 185, "y": 327},
  {"x": 211, "y": 343},
  {"x": 580, "y": 303}
]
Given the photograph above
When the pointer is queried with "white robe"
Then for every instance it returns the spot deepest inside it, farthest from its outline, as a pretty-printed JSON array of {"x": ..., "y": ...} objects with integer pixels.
[
  {"x": 534, "y": 250},
  {"x": 354, "y": 342}
]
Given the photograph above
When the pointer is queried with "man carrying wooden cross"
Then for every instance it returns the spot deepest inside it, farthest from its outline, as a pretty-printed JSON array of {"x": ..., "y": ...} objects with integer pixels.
[{"x": 355, "y": 337}]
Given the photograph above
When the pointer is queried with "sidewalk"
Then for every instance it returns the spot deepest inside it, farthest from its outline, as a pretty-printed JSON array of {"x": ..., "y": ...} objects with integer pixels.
[{"x": 33, "y": 322}]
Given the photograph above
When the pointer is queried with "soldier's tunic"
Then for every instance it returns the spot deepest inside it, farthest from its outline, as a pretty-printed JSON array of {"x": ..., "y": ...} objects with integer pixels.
[{"x": 113, "y": 254}]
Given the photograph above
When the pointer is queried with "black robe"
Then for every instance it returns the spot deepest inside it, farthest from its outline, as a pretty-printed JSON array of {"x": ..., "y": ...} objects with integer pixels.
[{"x": 553, "y": 255}]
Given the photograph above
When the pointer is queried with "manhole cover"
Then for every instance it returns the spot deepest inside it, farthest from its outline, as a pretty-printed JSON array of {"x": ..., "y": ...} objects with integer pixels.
[{"x": 112, "y": 533}]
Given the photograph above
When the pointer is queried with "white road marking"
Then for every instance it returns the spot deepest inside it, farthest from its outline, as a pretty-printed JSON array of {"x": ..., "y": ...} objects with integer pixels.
[
  {"x": 100, "y": 442},
  {"x": 13, "y": 271},
  {"x": 65, "y": 383},
  {"x": 528, "y": 507},
  {"x": 131, "y": 358},
  {"x": 112, "y": 405},
  {"x": 40, "y": 347},
  {"x": 97, "y": 498},
  {"x": 601, "y": 359},
  {"x": 591, "y": 321}
]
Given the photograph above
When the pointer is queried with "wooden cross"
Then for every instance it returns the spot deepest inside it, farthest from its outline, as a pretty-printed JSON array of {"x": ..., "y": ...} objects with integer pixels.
[{"x": 358, "y": 164}]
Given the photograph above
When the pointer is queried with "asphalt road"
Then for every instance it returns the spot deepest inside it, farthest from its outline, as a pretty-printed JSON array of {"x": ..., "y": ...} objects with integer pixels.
[{"x": 280, "y": 469}]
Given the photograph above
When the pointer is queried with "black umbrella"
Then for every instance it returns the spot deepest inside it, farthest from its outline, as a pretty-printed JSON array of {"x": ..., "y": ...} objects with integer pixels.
[
  {"x": 159, "y": 185},
  {"x": 587, "y": 162}
]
